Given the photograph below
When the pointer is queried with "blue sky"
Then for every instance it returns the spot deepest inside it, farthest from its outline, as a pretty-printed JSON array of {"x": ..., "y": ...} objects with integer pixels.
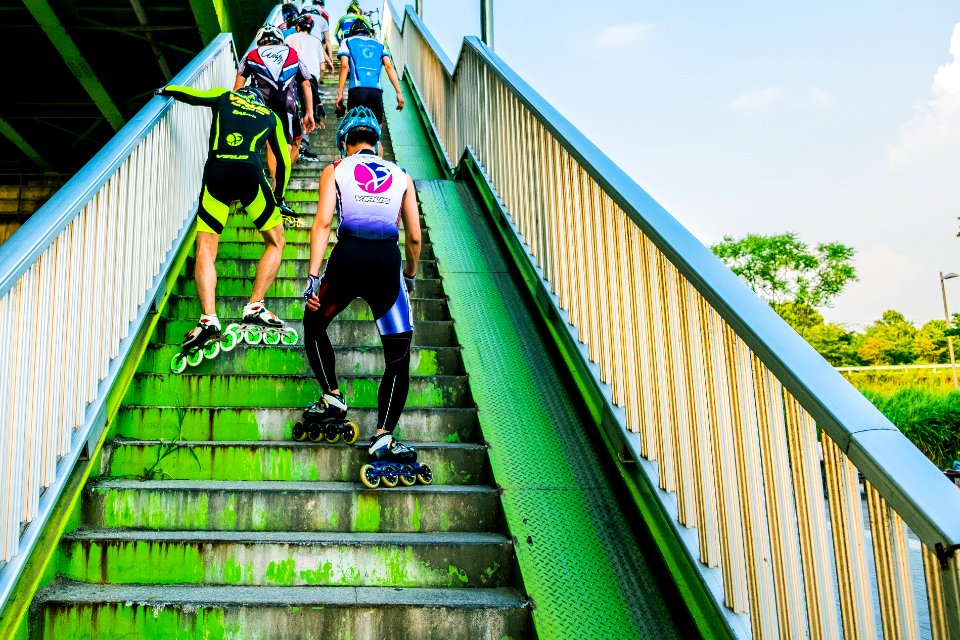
[{"x": 840, "y": 121}]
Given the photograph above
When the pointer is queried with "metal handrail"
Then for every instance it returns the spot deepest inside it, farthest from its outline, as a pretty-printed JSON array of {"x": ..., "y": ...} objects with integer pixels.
[
  {"x": 77, "y": 281},
  {"x": 770, "y": 389}
]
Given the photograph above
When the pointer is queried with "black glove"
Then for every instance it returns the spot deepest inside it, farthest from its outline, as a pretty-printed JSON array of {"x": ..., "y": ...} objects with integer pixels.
[
  {"x": 313, "y": 285},
  {"x": 340, "y": 110},
  {"x": 410, "y": 282}
]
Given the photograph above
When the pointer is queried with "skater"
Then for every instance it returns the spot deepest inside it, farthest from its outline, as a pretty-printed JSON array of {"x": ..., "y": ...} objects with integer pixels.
[
  {"x": 242, "y": 125},
  {"x": 361, "y": 59},
  {"x": 370, "y": 197}
]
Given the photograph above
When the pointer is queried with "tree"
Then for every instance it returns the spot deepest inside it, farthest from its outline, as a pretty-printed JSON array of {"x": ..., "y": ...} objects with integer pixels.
[
  {"x": 837, "y": 345},
  {"x": 931, "y": 342},
  {"x": 889, "y": 340},
  {"x": 782, "y": 268}
]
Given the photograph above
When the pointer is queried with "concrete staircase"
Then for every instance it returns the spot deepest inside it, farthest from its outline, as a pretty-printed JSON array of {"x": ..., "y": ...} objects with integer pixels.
[{"x": 208, "y": 521}]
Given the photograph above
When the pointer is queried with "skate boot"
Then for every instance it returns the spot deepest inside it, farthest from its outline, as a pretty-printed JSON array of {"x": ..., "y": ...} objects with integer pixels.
[
  {"x": 307, "y": 155},
  {"x": 325, "y": 419},
  {"x": 204, "y": 341},
  {"x": 393, "y": 462},
  {"x": 291, "y": 219},
  {"x": 259, "y": 324}
]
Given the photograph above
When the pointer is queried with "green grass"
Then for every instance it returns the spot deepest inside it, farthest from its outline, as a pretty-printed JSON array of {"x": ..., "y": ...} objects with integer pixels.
[
  {"x": 930, "y": 418},
  {"x": 888, "y": 381}
]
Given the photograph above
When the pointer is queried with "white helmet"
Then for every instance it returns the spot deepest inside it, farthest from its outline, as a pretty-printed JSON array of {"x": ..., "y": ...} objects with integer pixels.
[{"x": 269, "y": 34}]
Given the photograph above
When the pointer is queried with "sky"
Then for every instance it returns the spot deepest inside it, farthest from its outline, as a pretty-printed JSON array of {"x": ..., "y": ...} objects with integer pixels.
[{"x": 837, "y": 120}]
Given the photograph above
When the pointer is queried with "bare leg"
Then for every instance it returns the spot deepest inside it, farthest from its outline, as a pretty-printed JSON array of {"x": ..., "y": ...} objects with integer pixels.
[
  {"x": 269, "y": 264},
  {"x": 272, "y": 167},
  {"x": 294, "y": 154},
  {"x": 205, "y": 271}
]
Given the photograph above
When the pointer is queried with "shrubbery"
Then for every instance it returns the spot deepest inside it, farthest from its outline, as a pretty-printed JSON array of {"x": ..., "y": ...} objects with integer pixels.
[{"x": 929, "y": 419}]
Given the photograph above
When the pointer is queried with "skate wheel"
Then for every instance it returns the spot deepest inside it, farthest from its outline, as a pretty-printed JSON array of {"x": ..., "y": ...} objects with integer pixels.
[
  {"x": 195, "y": 357},
  {"x": 426, "y": 475},
  {"x": 316, "y": 433},
  {"x": 211, "y": 350},
  {"x": 408, "y": 479},
  {"x": 300, "y": 432},
  {"x": 369, "y": 477},
  {"x": 178, "y": 363},
  {"x": 253, "y": 336},
  {"x": 350, "y": 438},
  {"x": 331, "y": 436},
  {"x": 229, "y": 341},
  {"x": 271, "y": 337},
  {"x": 390, "y": 477},
  {"x": 289, "y": 337}
]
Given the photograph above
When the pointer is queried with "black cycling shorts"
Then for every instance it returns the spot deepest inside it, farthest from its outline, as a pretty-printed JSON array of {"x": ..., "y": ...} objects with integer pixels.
[
  {"x": 292, "y": 127},
  {"x": 225, "y": 181},
  {"x": 367, "y": 97}
]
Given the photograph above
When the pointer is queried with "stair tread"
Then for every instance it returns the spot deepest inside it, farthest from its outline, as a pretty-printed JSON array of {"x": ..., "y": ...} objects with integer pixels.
[
  {"x": 290, "y": 537},
  {"x": 278, "y": 444},
  {"x": 276, "y": 486},
  {"x": 68, "y": 591}
]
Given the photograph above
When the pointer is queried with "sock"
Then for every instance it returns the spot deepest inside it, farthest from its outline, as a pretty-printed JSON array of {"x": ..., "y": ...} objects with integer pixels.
[{"x": 211, "y": 319}]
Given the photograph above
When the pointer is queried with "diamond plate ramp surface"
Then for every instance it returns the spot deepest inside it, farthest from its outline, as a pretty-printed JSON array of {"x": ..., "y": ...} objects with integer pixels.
[
  {"x": 411, "y": 147},
  {"x": 580, "y": 562}
]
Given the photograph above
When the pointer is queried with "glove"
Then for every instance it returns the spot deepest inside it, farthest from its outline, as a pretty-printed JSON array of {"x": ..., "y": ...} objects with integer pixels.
[
  {"x": 322, "y": 110},
  {"x": 313, "y": 285},
  {"x": 341, "y": 110},
  {"x": 410, "y": 282}
]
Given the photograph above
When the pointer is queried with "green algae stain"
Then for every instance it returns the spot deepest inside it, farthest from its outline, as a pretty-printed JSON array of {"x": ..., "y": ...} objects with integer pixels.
[
  {"x": 453, "y": 437},
  {"x": 282, "y": 573},
  {"x": 427, "y": 364},
  {"x": 229, "y": 516},
  {"x": 458, "y": 574},
  {"x": 367, "y": 516},
  {"x": 415, "y": 516},
  {"x": 323, "y": 575}
]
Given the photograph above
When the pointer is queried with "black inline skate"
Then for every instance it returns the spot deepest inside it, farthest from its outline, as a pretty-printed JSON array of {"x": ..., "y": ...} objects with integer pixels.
[
  {"x": 325, "y": 419},
  {"x": 393, "y": 462},
  {"x": 204, "y": 341},
  {"x": 259, "y": 324}
]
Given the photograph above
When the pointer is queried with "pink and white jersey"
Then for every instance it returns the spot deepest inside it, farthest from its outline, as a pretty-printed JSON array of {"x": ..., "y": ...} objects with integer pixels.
[{"x": 369, "y": 196}]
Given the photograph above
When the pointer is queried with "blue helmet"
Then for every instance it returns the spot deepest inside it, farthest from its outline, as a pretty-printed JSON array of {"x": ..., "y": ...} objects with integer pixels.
[
  {"x": 289, "y": 11},
  {"x": 251, "y": 94},
  {"x": 357, "y": 118}
]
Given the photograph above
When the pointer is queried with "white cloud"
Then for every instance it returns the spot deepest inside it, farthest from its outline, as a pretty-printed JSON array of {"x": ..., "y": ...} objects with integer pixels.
[
  {"x": 820, "y": 98},
  {"x": 932, "y": 135},
  {"x": 623, "y": 35},
  {"x": 757, "y": 99}
]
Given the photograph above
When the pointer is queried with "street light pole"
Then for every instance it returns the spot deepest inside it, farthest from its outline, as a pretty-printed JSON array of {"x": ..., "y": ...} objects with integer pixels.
[
  {"x": 486, "y": 22},
  {"x": 946, "y": 314},
  {"x": 418, "y": 6}
]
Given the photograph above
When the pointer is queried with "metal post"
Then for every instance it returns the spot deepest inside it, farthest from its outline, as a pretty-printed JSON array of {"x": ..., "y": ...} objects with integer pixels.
[
  {"x": 946, "y": 314},
  {"x": 486, "y": 22},
  {"x": 418, "y": 6}
]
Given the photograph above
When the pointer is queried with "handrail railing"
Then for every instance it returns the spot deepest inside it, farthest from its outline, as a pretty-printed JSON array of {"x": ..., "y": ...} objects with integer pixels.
[
  {"x": 74, "y": 285},
  {"x": 707, "y": 380}
]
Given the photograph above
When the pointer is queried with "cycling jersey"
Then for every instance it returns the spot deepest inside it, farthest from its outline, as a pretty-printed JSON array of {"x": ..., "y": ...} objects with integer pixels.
[
  {"x": 370, "y": 193},
  {"x": 366, "y": 57},
  {"x": 310, "y": 50},
  {"x": 276, "y": 70},
  {"x": 234, "y": 170},
  {"x": 344, "y": 24}
]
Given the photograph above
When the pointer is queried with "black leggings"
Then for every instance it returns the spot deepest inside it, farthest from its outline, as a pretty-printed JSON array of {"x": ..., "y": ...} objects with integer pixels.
[{"x": 368, "y": 269}]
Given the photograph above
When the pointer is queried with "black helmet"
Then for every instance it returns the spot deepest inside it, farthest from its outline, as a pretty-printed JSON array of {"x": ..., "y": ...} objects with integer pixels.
[
  {"x": 304, "y": 21},
  {"x": 289, "y": 11},
  {"x": 359, "y": 26}
]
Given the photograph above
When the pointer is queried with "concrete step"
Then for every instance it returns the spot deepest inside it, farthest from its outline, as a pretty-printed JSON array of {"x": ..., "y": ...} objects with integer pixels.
[
  {"x": 437, "y": 560},
  {"x": 281, "y": 360},
  {"x": 454, "y": 464},
  {"x": 211, "y": 505},
  {"x": 71, "y": 610},
  {"x": 353, "y": 333},
  {"x": 247, "y": 268},
  {"x": 188, "y": 308},
  {"x": 202, "y": 390},
  {"x": 249, "y": 233},
  {"x": 289, "y": 287},
  {"x": 291, "y": 250},
  {"x": 255, "y": 424}
]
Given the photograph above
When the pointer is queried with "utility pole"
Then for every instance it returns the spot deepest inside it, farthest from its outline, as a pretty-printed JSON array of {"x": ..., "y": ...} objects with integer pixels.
[{"x": 946, "y": 314}]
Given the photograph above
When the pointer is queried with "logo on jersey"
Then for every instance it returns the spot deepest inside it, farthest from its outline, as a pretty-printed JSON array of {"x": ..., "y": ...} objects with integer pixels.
[
  {"x": 372, "y": 177},
  {"x": 234, "y": 139}
]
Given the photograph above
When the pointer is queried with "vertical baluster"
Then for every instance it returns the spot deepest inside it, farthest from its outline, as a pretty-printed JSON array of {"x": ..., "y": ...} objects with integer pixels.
[
  {"x": 9, "y": 472},
  {"x": 763, "y": 612},
  {"x": 935, "y": 600},
  {"x": 646, "y": 331},
  {"x": 620, "y": 330},
  {"x": 846, "y": 517},
  {"x": 897, "y": 612},
  {"x": 784, "y": 545},
  {"x": 577, "y": 276},
  {"x": 601, "y": 293},
  {"x": 725, "y": 468},
  {"x": 706, "y": 411},
  {"x": 687, "y": 424},
  {"x": 659, "y": 315}
]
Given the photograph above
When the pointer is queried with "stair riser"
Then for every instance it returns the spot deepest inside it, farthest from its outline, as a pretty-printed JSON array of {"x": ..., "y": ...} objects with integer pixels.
[
  {"x": 231, "y": 307},
  {"x": 241, "y": 424},
  {"x": 111, "y": 621},
  {"x": 293, "y": 360},
  {"x": 218, "y": 391},
  {"x": 291, "y": 251},
  {"x": 354, "y": 333},
  {"x": 293, "y": 269},
  {"x": 248, "y": 233},
  {"x": 457, "y": 465},
  {"x": 245, "y": 509},
  {"x": 288, "y": 288},
  {"x": 273, "y": 564}
]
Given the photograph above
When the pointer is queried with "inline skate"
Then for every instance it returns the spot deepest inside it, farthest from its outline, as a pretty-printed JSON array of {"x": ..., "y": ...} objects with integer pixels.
[
  {"x": 205, "y": 341},
  {"x": 393, "y": 463},
  {"x": 259, "y": 324},
  {"x": 325, "y": 419},
  {"x": 291, "y": 219}
]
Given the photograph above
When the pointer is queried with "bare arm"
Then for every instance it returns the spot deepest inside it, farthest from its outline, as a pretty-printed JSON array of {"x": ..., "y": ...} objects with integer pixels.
[
  {"x": 308, "y": 123},
  {"x": 344, "y": 72},
  {"x": 239, "y": 82},
  {"x": 392, "y": 74},
  {"x": 410, "y": 214},
  {"x": 320, "y": 233}
]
